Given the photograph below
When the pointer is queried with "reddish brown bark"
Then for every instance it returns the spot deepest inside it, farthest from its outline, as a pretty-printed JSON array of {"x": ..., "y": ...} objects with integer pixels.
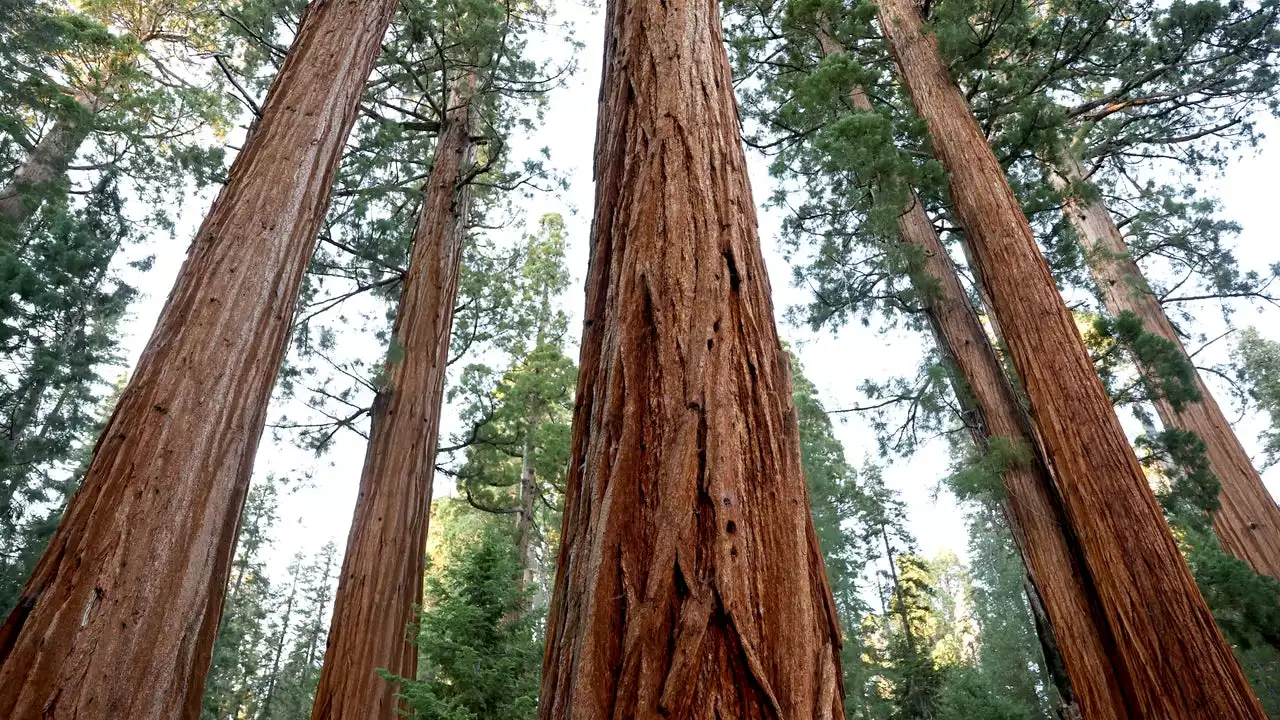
[
  {"x": 1248, "y": 521},
  {"x": 1172, "y": 661},
  {"x": 1032, "y": 505},
  {"x": 690, "y": 583},
  {"x": 383, "y": 568},
  {"x": 119, "y": 618},
  {"x": 1060, "y": 592}
]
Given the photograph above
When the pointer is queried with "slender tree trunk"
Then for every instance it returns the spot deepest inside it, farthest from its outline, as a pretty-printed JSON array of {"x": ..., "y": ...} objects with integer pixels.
[
  {"x": 1172, "y": 661},
  {"x": 528, "y": 472},
  {"x": 903, "y": 614},
  {"x": 382, "y": 571},
  {"x": 241, "y": 564},
  {"x": 1248, "y": 520},
  {"x": 317, "y": 623},
  {"x": 273, "y": 677},
  {"x": 690, "y": 582},
  {"x": 1053, "y": 668},
  {"x": 1071, "y": 626},
  {"x": 30, "y": 395},
  {"x": 528, "y": 501},
  {"x": 132, "y": 582},
  {"x": 45, "y": 165}
]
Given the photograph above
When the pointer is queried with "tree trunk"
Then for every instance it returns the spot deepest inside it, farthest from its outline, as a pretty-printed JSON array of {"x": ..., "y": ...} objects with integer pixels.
[
  {"x": 132, "y": 582},
  {"x": 273, "y": 677},
  {"x": 690, "y": 582},
  {"x": 1172, "y": 661},
  {"x": 1053, "y": 669},
  {"x": 1248, "y": 521},
  {"x": 1076, "y": 627},
  {"x": 528, "y": 501},
  {"x": 903, "y": 613},
  {"x": 382, "y": 571},
  {"x": 528, "y": 472},
  {"x": 46, "y": 164},
  {"x": 1072, "y": 627}
]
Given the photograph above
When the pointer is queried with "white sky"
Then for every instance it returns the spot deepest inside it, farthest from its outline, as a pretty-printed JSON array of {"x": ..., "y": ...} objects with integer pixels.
[{"x": 322, "y": 510}]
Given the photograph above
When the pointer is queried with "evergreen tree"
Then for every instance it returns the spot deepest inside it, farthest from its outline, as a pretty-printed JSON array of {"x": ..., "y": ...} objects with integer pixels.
[
  {"x": 271, "y": 640},
  {"x": 389, "y": 528},
  {"x": 1009, "y": 657},
  {"x": 111, "y": 87},
  {"x": 517, "y": 444},
  {"x": 480, "y": 651},
  {"x": 850, "y": 510},
  {"x": 296, "y": 648},
  {"x": 280, "y": 628},
  {"x": 837, "y": 501},
  {"x": 1259, "y": 372},
  {"x": 689, "y": 574},
  {"x": 59, "y": 336},
  {"x": 236, "y": 670},
  {"x": 951, "y": 657}
]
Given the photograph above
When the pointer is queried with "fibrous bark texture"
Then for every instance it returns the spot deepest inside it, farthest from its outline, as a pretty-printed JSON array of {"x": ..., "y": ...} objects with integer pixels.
[
  {"x": 46, "y": 164},
  {"x": 1248, "y": 520},
  {"x": 1172, "y": 661},
  {"x": 1032, "y": 505},
  {"x": 690, "y": 582},
  {"x": 383, "y": 568},
  {"x": 119, "y": 618},
  {"x": 1060, "y": 589}
]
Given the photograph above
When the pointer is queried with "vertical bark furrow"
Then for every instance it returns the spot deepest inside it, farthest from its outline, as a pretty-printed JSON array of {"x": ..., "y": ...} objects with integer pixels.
[
  {"x": 1248, "y": 519},
  {"x": 132, "y": 582},
  {"x": 689, "y": 583},
  {"x": 1173, "y": 662},
  {"x": 382, "y": 571}
]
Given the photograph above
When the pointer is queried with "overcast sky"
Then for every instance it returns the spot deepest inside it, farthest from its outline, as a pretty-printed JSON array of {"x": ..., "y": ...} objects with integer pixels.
[{"x": 321, "y": 510}]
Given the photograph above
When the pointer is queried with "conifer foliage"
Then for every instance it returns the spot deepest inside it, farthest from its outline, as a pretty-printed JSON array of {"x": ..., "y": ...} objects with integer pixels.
[{"x": 1010, "y": 201}]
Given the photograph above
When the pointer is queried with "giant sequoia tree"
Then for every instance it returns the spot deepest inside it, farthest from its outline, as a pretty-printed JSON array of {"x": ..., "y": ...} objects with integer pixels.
[
  {"x": 382, "y": 571},
  {"x": 132, "y": 581},
  {"x": 1246, "y": 519},
  {"x": 1173, "y": 660},
  {"x": 118, "y": 84},
  {"x": 473, "y": 89},
  {"x": 1185, "y": 78},
  {"x": 518, "y": 442},
  {"x": 690, "y": 580},
  {"x": 844, "y": 152}
]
